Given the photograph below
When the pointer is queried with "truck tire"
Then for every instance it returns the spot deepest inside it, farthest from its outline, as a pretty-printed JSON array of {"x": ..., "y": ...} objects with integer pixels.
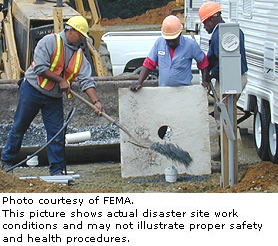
[
  {"x": 105, "y": 57},
  {"x": 261, "y": 133},
  {"x": 152, "y": 76},
  {"x": 273, "y": 143}
]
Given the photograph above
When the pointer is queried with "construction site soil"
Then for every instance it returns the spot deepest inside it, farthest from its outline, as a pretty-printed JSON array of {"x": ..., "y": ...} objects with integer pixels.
[
  {"x": 152, "y": 16},
  {"x": 253, "y": 174}
]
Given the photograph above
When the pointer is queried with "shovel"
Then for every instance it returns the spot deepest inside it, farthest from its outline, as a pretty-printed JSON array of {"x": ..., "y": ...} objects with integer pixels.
[{"x": 171, "y": 151}]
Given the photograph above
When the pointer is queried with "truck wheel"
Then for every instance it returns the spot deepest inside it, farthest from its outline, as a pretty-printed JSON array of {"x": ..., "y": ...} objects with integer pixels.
[
  {"x": 273, "y": 147},
  {"x": 105, "y": 57},
  {"x": 152, "y": 76},
  {"x": 260, "y": 129}
]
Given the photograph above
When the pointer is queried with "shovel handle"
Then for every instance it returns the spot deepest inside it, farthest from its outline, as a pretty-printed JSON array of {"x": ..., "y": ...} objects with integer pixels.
[
  {"x": 214, "y": 93},
  {"x": 135, "y": 140},
  {"x": 93, "y": 106}
]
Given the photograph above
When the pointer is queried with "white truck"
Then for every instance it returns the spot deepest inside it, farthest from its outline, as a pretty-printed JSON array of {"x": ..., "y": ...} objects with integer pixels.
[{"x": 128, "y": 49}]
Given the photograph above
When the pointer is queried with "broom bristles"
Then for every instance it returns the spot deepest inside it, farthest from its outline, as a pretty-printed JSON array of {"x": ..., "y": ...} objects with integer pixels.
[{"x": 173, "y": 152}]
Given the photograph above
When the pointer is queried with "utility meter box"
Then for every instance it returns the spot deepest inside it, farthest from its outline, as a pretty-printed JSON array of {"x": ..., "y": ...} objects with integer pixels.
[{"x": 229, "y": 59}]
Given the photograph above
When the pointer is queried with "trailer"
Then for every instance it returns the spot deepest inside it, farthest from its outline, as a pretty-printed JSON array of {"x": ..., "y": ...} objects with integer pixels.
[{"x": 258, "y": 21}]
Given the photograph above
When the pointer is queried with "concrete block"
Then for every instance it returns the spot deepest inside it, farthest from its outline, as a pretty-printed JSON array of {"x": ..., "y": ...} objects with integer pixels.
[{"x": 184, "y": 110}]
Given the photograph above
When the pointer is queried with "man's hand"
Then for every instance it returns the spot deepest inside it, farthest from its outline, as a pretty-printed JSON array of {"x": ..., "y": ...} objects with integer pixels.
[
  {"x": 64, "y": 86},
  {"x": 100, "y": 107},
  {"x": 206, "y": 85},
  {"x": 135, "y": 86}
]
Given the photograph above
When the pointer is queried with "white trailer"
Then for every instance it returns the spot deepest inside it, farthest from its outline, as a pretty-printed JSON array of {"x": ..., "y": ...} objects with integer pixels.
[
  {"x": 192, "y": 20},
  {"x": 258, "y": 20}
]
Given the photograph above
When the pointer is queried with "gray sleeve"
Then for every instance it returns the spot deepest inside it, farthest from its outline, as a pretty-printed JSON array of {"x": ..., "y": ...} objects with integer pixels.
[
  {"x": 85, "y": 75},
  {"x": 43, "y": 52}
]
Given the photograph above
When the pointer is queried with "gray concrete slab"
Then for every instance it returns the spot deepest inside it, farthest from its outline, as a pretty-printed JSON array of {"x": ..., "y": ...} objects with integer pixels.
[{"x": 183, "y": 109}]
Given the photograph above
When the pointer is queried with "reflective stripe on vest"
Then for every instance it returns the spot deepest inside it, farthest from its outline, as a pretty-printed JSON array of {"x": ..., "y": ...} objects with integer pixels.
[
  {"x": 58, "y": 62},
  {"x": 75, "y": 63},
  {"x": 56, "y": 57}
]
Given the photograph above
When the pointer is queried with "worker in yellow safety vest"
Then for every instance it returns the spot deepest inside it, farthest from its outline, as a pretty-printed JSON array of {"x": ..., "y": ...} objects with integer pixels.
[{"x": 58, "y": 61}]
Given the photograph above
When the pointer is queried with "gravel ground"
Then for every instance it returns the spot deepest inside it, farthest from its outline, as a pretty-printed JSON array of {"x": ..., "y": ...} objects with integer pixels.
[{"x": 254, "y": 176}]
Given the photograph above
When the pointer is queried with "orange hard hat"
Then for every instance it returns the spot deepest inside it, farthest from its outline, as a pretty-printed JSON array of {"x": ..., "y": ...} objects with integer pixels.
[
  {"x": 208, "y": 9},
  {"x": 171, "y": 27}
]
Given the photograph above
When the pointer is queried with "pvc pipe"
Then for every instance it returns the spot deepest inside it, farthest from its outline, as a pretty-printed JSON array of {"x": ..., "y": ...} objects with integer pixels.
[
  {"x": 57, "y": 180},
  {"x": 64, "y": 177},
  {"x": 78, "y": 137},
  {"x": 76, "y": 176},
  {"x": 32, "y": 161},
  {"x": 60, "y": 177},
  {"x": 171, "y": 174}
]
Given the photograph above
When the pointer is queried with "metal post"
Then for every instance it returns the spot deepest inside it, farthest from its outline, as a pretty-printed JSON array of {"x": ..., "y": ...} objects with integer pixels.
[
  {"x": 39, "y": 2},
  {"x": 60, "y": 3},
  {"x": 231, "y": 143},
  {"x": 230, "y": 85}
]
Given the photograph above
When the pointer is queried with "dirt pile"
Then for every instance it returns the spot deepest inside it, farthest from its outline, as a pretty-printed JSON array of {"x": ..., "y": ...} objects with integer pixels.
[
  {"x": 153, "y": 16},
  {"x": 259, "y": 178},
  {"x": 12, "y": 184}
]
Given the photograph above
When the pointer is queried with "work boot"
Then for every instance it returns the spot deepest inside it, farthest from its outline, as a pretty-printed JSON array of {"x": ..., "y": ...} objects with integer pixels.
[
  {"x": 5, "y": 167},
  {"x": 216, "y": 168},
  {"x": 57, "y": 174},
  {"x": 216, "y": 156}
]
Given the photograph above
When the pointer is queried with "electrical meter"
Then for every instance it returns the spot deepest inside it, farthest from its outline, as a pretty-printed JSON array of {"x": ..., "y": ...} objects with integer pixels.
[{"x": 229, "y": 59}]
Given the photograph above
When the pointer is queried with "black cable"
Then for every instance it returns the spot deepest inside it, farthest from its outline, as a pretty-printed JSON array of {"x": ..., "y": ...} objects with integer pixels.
[
  {"x": 65, "y": 169},
  {"x": 49, "y": 142}
]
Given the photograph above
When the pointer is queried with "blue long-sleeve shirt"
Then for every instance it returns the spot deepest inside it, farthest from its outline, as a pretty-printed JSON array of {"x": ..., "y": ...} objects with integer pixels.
[{"x": 213, "y": 53}]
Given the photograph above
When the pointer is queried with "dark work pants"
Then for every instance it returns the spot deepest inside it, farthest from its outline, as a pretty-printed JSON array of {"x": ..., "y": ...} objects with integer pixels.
[{"x": 31, "y": 101}]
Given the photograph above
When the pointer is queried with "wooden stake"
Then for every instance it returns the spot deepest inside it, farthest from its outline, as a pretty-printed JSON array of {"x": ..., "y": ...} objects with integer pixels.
[
  {"x": 225, "y": 170},
  {"x": 58, "y": 20}
]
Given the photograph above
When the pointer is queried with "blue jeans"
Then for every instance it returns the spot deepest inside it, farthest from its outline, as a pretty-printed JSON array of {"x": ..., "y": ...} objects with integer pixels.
[{"x": 29, "y": 104}]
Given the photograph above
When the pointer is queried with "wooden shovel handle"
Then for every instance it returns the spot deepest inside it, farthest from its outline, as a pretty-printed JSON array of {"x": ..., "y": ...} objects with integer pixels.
[{"x": 92, "y": 106}]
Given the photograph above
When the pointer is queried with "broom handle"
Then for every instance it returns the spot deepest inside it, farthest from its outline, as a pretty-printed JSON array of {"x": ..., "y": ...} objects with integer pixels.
[{"x": 93, "y": 106}]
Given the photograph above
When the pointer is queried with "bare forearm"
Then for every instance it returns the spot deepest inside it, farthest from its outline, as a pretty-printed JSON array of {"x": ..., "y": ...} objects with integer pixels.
[
  {"x": 91, "y": 92},
  {"x": 143, "y": 75}
]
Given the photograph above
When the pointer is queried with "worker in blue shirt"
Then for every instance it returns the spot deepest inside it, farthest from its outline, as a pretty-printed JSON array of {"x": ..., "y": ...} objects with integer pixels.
[
  {"x": 173, "y": 54},
  {"x": 210, "y": 15}
]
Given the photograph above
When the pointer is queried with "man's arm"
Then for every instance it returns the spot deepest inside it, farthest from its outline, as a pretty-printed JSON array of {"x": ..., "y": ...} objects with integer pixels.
[
  {"x": 143, "y": 75},
  {"x": 148, "y": 65},
  {"x": 203, "y": 66},
  {"x": 205, "y": 81},
  {"x": 91, "y": 92},
  {"x": 64, "y": 85}
]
